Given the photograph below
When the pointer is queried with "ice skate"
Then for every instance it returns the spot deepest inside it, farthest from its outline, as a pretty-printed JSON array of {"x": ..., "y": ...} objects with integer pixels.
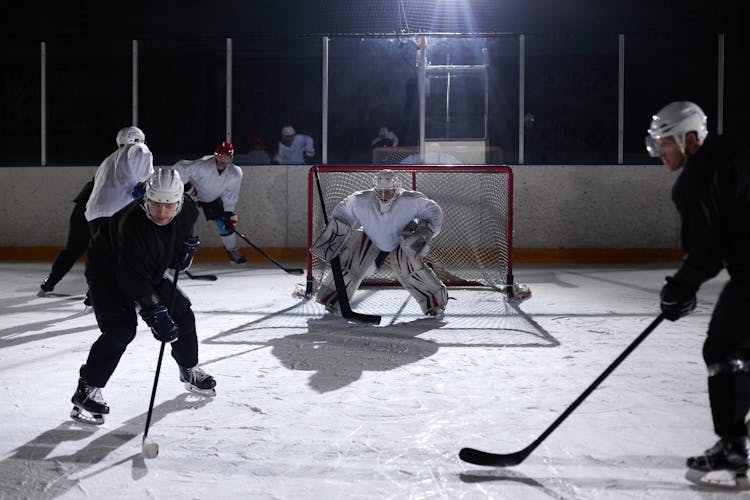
[
  {"x": 236, "y": 258},
  {"x": 198, "y": 381},
  {"x": 437, "y": 313},
  {"x": 724, "y": 465},
  {"x": 46, "y": 287},
  {"x": 88, "y": 405}
]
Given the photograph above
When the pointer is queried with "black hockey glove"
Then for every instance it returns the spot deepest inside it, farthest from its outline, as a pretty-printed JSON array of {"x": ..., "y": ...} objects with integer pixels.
[
  {"x": 162, "y": 326},
  {"x": 677, "y": 299},
  {"x": 189, "y": 247}
]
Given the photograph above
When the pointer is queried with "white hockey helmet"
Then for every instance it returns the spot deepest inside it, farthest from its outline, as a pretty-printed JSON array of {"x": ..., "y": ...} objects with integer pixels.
[
  {"x": 387, "y": 187},
  {"x": 164, "y": 186},
  {"x": 130, "y": 135},
  {"x": 288, "y": 130},
  {"x": 676, "y": 119}
]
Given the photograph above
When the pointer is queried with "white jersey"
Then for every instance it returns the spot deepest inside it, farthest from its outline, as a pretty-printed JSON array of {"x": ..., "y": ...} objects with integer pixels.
[
  {"x": 385, "y": 229},
  {"x": 302, "y": 145},
  {"x": 209, "y": 182},
  {"x": 116, "y": 177}
]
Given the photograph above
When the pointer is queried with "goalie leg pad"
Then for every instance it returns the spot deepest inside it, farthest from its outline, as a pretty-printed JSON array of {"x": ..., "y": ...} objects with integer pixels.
[
  {"x": 421, "y": 281},
  {"x": 357, "y": 256},
  {"x": 331, "y": 241}
]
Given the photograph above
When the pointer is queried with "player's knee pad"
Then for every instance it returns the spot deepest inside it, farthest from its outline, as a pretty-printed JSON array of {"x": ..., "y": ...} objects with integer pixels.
[
  {"x": 356, "y": 257},
  {"x": 421, "y": 281}
]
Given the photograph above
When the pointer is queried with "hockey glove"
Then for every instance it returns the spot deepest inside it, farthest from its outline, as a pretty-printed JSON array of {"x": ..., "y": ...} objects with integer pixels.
[
  {"x": 677, "y": 299},
  {"x": 189, "y": 247},
  {"x": 230, "y": 221},
  {"x": 138, "y": 191},
  {"x": 162, "y": 326},
  {"x": 415, "y": 238}
]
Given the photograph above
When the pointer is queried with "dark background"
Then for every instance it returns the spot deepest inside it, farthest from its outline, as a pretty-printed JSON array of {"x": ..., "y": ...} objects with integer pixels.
[{"x": 571, "y": 73}]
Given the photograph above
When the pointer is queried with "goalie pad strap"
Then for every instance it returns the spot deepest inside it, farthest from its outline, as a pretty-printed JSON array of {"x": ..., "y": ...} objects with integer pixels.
[{"x": 331, "y": 241}]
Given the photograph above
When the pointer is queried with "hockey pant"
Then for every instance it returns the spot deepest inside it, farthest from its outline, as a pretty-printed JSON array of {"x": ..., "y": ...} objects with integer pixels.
[
  {"x": 117, "y": 319},
  {"x": 357, "y": 258},
  {"x": 726, "y": 352},
  {"x": 78, "y": 242}
]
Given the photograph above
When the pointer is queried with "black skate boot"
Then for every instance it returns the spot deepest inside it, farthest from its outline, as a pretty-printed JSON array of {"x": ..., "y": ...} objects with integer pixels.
[
  {"x": 198, "y": 381},
  {"x": 46, "y": 287},
  {"x": 88, "y": 405},
  {"x": 235, "y": 257},
  {"x": 728, "y": 454}
]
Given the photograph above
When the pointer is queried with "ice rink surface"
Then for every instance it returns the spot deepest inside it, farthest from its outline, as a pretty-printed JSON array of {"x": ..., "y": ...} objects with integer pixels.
[{"x": 310, "y": 406}]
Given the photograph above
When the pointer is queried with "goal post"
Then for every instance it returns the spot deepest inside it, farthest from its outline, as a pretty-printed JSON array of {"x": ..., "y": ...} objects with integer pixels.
[{"x": 474, "y": 247}]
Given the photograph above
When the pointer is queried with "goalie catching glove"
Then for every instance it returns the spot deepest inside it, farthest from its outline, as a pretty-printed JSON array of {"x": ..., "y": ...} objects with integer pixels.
[
  {"x": 416, "y": 237},
  {"x": 331, "y": 241}
]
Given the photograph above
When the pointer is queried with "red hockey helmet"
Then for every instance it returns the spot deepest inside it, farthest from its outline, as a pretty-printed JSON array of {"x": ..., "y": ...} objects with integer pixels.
[{"x": 225, "y": 148}]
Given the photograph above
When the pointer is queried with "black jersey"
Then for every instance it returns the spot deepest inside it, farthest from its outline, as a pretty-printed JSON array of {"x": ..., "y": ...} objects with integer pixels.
[
  {"x": 712, "y": 196},
  {"x": 134, "y": 252}
]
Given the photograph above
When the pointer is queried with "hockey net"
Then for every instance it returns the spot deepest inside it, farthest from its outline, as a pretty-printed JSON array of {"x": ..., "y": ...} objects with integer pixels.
[{"x": 474, "y": 247}]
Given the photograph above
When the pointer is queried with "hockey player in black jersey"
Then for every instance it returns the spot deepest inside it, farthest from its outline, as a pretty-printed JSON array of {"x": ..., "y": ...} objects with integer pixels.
[
  {"x": 712, "y": 197},
  {"x": 125, "y": 270}
]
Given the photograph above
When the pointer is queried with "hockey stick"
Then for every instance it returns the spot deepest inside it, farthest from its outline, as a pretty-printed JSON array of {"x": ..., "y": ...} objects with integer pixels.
[
  {"x": 338, "y": 277},
  {"x": 150, "y": 450},
  {"x": 479, "y": 457},
  {"x": 290, "y": 270},
  {"x": 203, "y": 277}
]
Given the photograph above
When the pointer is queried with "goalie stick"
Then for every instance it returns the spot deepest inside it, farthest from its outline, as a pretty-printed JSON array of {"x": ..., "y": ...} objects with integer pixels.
[
  {"x": 338, "y": 277},
  {"x": 479, "y": 457},
  {"x": 204, "y": 277},
  {"x": 290, "y": 270}
]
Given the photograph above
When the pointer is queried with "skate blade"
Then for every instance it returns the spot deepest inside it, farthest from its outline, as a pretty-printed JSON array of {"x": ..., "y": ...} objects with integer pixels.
[
  {"x": 80, "y": 415},
  {"x": 203, "y": 392},
  {"x": 718, "y": 480}
]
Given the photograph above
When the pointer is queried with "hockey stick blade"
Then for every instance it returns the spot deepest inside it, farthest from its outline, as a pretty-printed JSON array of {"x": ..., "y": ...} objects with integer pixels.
[
  {"x": 479, "y": 457},
  {"x": 203, "y": 277},
  {"x": 289, "y": 270}
]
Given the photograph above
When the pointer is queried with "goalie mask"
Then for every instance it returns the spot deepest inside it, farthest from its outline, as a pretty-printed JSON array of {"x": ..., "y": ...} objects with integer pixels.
[
  {"x": 676, "y": 120},
  {"x": 130, "y": 135},
  {"x": 164, "y": 193},
  {"x": 387, "y": 188}
]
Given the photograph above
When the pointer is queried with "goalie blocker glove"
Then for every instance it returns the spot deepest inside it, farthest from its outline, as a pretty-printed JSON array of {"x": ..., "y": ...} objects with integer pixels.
[
  {"x": 331, "y": 241},
  {"x": 677, "y": 299}
]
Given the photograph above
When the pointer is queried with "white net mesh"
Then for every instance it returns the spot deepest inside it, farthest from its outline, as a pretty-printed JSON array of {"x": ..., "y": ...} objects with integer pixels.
[{"x": 475, "y": 243}]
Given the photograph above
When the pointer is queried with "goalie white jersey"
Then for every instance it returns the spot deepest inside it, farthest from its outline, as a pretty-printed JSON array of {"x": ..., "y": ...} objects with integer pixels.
[{"x": 384, "y": 229}]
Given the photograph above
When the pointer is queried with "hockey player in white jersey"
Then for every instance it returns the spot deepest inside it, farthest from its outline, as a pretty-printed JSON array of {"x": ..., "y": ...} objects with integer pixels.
[
  {"x": 394, "y": 223},
  {"x": 215, "y": 182},
  {"x": 120, "y": 177}
]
